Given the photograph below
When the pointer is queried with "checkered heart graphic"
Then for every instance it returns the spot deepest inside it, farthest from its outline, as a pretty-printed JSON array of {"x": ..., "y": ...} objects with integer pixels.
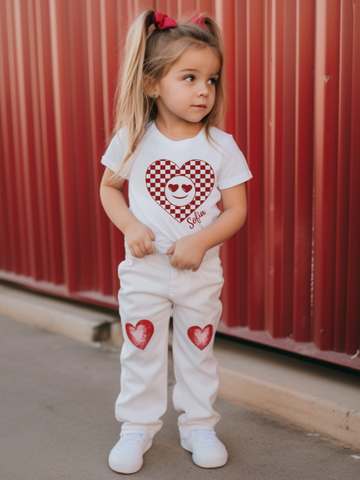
[{"x": 180, "y": 190}]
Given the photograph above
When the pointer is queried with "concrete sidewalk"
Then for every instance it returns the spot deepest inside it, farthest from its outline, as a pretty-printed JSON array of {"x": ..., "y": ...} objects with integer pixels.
[
  {"x": 312, "y": 397},
  {"x": 57, "y": 422}
]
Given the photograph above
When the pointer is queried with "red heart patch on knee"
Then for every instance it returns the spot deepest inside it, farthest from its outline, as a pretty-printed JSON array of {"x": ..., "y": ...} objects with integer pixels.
[
  {"x": 141, "y": 334},
  {"x": 200, "y": 337}
]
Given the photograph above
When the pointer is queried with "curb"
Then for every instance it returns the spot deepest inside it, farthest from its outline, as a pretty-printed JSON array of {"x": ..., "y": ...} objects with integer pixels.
[
  {"x": 303, "y": 410},
  {"x": 333, "y": 419},
  {"x": 57, "y": 316}
]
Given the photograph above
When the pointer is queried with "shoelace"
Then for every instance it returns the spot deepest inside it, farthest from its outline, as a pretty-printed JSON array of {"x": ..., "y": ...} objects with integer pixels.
[
  {"x": 204, "y": 435},
  {"x": 132, "y": 438}
]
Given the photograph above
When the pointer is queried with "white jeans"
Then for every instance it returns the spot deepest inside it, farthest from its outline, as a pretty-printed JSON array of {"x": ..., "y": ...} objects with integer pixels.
[{"x": 150, "y": 286}]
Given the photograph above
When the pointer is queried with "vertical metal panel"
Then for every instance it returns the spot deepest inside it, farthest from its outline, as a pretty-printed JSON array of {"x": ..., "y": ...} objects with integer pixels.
[
  {"x": 9, "y": 107},
  {"x": 230, "y": 254},
  {"x": 255, "y": 157},
  {"x": 303, "y": 181},
  {"x": 236, "y": 125},
  {"x": 343, "y": 172},
  {"x": 7, "y": 223},
  {"x": 109, "y": 63},
  {"x": 274, "y": 167},
  {"x": 53, "y": 271},
  {"x": 353, "y": 293},
  {"x": 288, "y": 133},
  {"x": 293, "y": 70},
  {"x": 64, "y": 124},
  {"x": 325, "y": 166}
]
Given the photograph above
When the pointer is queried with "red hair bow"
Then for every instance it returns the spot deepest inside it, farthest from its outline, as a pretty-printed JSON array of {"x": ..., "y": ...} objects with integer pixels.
[
  {"x": 162, "y": 21},
  {"x": 198, "y": 20}
]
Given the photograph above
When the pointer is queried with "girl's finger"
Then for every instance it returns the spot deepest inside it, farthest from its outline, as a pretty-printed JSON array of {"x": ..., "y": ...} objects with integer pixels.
[
  {"x": 171, "y": 250},
  {"x": 152, "y": 236},
  {"x": 142, "y": 249},
  {"x": 137, "y": 252},
  {"x": 149, "y": 248},
  {"x": 146, "y": 249}
]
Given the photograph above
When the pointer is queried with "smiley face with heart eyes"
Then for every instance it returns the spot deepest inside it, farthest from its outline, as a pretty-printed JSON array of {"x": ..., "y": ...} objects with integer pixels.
[{"x": 180, "y": 190}]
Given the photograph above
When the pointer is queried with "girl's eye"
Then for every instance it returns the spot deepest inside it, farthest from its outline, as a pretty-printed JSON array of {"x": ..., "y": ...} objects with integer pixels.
[{"x": 191, "y": 77}]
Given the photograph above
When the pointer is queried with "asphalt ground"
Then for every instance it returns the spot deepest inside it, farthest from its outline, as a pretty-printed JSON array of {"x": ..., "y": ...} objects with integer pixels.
[{"x": 57, "y": 422}]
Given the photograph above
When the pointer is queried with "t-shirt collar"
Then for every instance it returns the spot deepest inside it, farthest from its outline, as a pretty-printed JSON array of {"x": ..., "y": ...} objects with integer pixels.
[{"x": 187, "y": 142}]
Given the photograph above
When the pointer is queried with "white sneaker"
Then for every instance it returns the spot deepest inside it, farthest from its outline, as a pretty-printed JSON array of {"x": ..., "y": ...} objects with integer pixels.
[
  {"x": 127, "y": 455},
  {"x": 207, "y": 450}
]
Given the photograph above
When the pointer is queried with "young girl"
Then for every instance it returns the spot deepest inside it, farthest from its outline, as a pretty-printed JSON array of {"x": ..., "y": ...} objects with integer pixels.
[{"x": 179, "y": 165}]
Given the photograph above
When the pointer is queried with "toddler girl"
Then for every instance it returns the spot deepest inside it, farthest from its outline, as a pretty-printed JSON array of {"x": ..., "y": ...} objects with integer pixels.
[{"x": 179, "y": 166}]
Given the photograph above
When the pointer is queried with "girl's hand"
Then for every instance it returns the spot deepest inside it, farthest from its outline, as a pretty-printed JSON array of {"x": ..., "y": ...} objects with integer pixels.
[
  {"x": 187, "y": 253},
  {"x": 138, "y": 238}
]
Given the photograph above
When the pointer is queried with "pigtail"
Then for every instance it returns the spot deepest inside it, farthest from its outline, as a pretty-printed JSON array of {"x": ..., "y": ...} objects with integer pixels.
[
  {"x": 132, "y": 105},
  {"x": 214, "y": 29}
]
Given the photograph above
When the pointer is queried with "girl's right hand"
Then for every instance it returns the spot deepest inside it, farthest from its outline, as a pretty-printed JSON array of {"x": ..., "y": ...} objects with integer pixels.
[{"x": 139, "y": 239}]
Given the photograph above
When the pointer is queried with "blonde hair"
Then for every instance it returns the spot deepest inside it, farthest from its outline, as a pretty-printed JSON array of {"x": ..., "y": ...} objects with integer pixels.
[{"x": 148, "y": 58}]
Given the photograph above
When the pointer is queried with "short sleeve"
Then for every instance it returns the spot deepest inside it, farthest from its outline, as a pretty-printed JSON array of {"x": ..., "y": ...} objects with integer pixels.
[
  {"x": 115, "y": 152},
  {"x": 234, "y": 169}
]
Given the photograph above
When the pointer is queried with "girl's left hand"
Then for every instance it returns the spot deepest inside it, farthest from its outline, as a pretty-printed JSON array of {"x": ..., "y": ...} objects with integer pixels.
[{"x": 187, "y": 253}]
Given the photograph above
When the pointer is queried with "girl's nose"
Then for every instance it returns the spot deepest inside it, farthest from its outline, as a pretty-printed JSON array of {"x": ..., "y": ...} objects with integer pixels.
[{"x": 203, "y": 91}]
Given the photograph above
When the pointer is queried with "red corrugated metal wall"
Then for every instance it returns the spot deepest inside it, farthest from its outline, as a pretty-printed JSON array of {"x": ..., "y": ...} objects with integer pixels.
[{"x": 293, "y": 272}]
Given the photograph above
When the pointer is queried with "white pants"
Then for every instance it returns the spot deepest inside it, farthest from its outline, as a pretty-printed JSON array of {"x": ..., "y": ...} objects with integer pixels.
[{"x": 150, "y": 286}]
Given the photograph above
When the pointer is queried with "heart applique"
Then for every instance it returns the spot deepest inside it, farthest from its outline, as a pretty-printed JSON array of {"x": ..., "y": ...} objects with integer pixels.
[
  {"x": 180, "y": 190},
  {"x": 141, "y": 334},
  {"x": 200, "y": 337}
]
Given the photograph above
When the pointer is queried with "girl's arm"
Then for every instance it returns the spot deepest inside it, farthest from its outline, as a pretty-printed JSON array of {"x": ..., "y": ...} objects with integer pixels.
[
  {"x": 138, "y": 236},
  {"x": 188, "y": 252}
]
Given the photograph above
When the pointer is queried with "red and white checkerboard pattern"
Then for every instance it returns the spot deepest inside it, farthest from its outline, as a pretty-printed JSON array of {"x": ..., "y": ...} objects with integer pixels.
[{"x": 160, "y": 172}]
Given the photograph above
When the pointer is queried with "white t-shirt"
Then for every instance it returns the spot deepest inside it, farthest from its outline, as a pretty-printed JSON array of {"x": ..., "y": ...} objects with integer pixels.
[{"x": 174, "y": 186}]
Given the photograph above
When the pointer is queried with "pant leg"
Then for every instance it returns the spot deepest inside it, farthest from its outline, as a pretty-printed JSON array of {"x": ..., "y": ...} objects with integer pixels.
[
  {"x": 196, "y": 314},
  {"x": 143, "y": 393}
]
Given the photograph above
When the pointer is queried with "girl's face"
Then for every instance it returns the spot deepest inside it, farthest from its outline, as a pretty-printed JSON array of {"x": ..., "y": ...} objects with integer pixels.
[{"x": 187, "y": 92}]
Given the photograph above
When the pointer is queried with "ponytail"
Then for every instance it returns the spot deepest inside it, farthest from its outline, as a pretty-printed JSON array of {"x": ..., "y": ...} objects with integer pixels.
[{"x": 131, "y": 103}]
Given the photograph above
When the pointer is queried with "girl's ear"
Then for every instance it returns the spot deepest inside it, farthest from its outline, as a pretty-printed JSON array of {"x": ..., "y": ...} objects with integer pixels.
[{"x": 149, "y": 87}]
